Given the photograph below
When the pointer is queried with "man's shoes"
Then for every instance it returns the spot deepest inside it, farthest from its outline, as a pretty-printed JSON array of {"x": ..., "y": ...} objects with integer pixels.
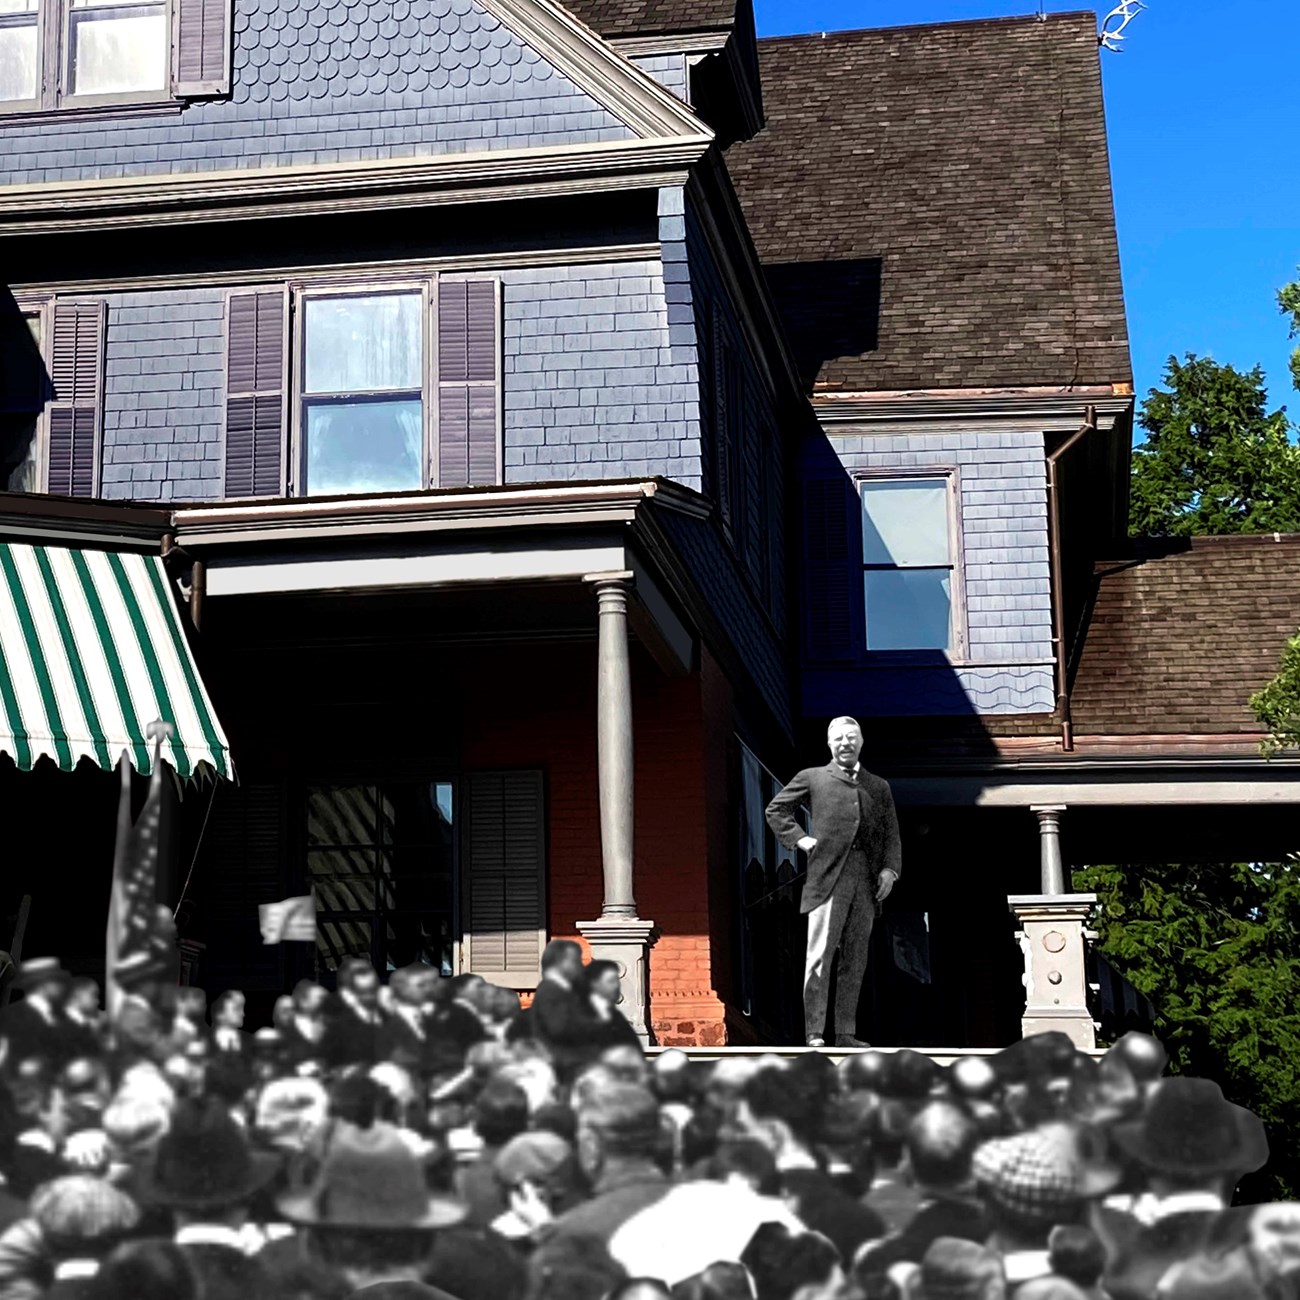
[
  {"x": 814, "y": 1040},
  {"x": 847, "y": 1040}
]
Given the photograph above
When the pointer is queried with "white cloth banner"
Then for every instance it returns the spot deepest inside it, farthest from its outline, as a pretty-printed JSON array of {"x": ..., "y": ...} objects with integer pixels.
[{"x": 289, "y": 920}]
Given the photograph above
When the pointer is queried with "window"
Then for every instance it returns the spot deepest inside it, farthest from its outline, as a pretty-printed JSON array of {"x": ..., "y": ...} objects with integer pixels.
[
  {"x": 23, "y": 388},
  {"x": 83, "y": 53},
  {"x": 363, "y": 399},
  {"x": 380, "y": 859},
  {"x": 907, "y": 553}
]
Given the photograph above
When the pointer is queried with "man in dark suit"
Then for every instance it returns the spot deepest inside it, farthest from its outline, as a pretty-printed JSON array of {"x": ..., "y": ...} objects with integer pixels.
[
  {"x": 557, "y": 1015},
  {"x": 854, "y": 860},
  {"x": 352, "y": 1036},
  {"x": 36, "y": 1027}
]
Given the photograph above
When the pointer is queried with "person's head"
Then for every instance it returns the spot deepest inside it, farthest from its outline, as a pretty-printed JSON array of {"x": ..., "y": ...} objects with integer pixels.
[
  {"x": 153, "y": 1269},
  {"x": 1273, "y": 1234},
  {"x": 781, "y": 1262},
  {"x": 408, "y": 987},
  {"x": 722, "y": 1281},
  {"x": 500, "y": 1111},
  {"x": 541, "y": 1160},
  {"x": 83, "y": 997},
  {"x": 357, "y": 977},
  {"x": 190, "y": 1003},
  {"x": 45, "y": 979},
  {"x": 603, "y": 981},
  {"x": 309, "y": 998},
  {"x": 1028, "y": 1183},
  {"x": 228, "y": 1010},
  {"x": 564, "y": 958},
  {"x": 468, "y": 988},
  {"x": 940, "y": 1140},
  {"x": 748, "y": 1161},
  {"x": 572, "y": 1267},
  {"x": 621, "y": 1123},
  {"x": 844, "y": 737},
  {"x": 775, "y": 1110},
  {"x": 81, "y": 1216},
  {"x": 282, "y": 1012},
  {"x": 955, "y": 1269},
  {"x": 1076, "y": 1253}
]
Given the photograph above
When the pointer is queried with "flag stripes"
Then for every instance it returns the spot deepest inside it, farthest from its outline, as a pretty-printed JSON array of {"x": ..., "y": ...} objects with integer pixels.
[{"x": 91, "y": 648}]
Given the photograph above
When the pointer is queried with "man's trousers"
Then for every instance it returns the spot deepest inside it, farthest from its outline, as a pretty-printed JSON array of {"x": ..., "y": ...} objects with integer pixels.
[{"x": 843, "y": 921}]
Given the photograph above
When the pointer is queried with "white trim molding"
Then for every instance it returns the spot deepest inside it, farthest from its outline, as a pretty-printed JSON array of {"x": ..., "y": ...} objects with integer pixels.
[{"x": 1090, "y": 791}]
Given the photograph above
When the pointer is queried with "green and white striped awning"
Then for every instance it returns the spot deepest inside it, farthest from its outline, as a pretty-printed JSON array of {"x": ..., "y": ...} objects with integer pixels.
[{"x": 92, "y": 652}]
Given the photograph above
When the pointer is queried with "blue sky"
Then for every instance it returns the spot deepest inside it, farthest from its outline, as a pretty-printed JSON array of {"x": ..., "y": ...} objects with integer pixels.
[{"x": 1205, "y": 157}]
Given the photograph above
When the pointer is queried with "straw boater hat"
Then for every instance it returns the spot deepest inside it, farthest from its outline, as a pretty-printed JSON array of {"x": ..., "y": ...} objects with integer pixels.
[
  {"x": 370, "y": 1181},
  {"x": 37, "y": 970}
]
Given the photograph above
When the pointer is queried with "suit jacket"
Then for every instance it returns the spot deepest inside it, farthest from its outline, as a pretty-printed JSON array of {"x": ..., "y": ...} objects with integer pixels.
[
  {"x": 562, "y": 1023},
  {"x": 832, "y": 798},
  {"x": 1140, "y": 1254},
  {"x": 349, "y": 1040}
]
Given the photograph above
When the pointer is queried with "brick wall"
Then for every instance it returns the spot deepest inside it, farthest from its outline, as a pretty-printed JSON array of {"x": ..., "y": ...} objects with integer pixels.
[
  {"x": 316, "y": 82},
  {"x": 555, "y": 730},
  {"x": 1003, "y": 501},
  {"x": 164, "y": 393}
]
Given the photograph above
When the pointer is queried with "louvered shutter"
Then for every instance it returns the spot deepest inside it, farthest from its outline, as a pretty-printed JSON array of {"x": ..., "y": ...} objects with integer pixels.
[
  {"x": 832, "y": 570},
  {"x": 201, "y": 47},
  {"x": 469, "y": 401},
  {"x": 242, "y": 863},
  {"x": 77, "y": 376},
  {"x": 503, "y": 880},
  {"x": 255, "y": 405}
]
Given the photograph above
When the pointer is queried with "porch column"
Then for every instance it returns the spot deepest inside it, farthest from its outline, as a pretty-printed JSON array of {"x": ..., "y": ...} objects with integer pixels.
[
  {"x": 1052, "y": 939},
  {"x": 618, "y": 935},
  {"x": 1049, "y": 846}
]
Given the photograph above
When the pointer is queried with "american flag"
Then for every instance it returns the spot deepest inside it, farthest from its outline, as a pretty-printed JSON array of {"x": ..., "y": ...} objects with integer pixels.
[{"x": 131, "y": 940}]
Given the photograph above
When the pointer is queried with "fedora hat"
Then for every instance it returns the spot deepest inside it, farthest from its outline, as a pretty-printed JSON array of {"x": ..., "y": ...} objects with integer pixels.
[
  {"x": 1189, "y": 1128},
  {"x": 37, "y": 970},
  {"x": 204, "y": 1162},
  {"x": 372, "y": 1181}
]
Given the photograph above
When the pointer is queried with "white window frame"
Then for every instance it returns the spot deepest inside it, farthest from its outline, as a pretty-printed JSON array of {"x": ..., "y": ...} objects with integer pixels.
[
  {"x": 300, "y": 294},
  {"x": 957, "y": 651}
]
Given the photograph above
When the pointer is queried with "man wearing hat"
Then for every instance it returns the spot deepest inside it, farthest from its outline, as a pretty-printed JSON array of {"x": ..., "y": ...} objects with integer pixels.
[
  {"x": 204, "y": 1171},
  {"x": 953, "y": 1268},
  {"x": 81, "y": 1219},
  {"x": 35, "y": 1027},
  {"x": 1193, "y": 1146},
  {"x": 854, "y": 860},
  {"x": 369, "y": 1215}
]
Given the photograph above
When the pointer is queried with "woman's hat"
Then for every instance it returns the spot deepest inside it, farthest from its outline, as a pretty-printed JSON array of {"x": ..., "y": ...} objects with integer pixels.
[
  {"x": 370, "y": 1181},
  {"x": 204, "y": 1162},
  {"x": 1190, "y": 1129},
  {"x": 82, "y": 1210}
]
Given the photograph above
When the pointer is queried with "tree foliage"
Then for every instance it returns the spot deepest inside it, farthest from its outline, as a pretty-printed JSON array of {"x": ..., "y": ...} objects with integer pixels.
[
  {"x": 1213, "y": 946},
  {"x": 1215, "y": 460},
  {"x": 1288, "y": 301}
]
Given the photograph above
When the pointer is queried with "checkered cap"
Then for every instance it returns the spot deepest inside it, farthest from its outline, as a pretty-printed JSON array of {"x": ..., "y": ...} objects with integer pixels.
[{"x": 1032, "y": 1175}]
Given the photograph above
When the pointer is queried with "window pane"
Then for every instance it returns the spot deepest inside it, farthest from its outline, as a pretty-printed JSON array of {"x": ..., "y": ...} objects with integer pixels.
[
  {"x": 336, "y": 939},
  {"x": 905, "y": 522},
  {"x": 18, "y": 454},
  {"x": 364, "y": 447},
  {"x": 120, "y": 50},
  {"x": 343, "y": 815},
  {"x": 18, "y": 59},
  {"x": 909, "y": 609},
  {"x": 360, "y": 345}
]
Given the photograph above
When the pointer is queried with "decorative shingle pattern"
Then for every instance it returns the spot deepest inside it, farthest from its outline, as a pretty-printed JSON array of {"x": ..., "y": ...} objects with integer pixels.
[
  {"x": 320, "y": 81},
  {"x": 1179, "y": 641},
  {"x": 654, "y": 17},
  {"x": 934, "y": 205}
]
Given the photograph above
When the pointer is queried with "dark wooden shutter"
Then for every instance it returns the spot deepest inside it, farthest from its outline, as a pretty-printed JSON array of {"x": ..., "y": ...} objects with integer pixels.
[
  {"x": 255, "y": 405},
  {"x": 77, "y": 375},
  {"x": 832, "y": 570},
  {"x": 469, "y": 401},
  {"x": 722, "y": 454},
  {"x": 242, "y": 863},
  {"x": 201, "y": 48},
  {"x": 503, "y": 878}
]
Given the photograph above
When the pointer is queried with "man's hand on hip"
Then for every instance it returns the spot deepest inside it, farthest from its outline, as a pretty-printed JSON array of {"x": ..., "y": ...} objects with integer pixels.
[
  {"x": 808, "y": 843},
  {"x": 884, "y": 885}
]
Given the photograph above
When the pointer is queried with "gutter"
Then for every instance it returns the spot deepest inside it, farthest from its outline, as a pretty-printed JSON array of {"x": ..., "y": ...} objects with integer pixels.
[{"x": 1054, "y": 547}]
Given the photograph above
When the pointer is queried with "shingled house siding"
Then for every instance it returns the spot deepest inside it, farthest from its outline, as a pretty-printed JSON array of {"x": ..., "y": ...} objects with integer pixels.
[
  {"x": 669, "y": 70},
  {"x": 319, "y": 82},
  {"x": 594, "y": 387},
  {"x": 1003, "y": 500},
  {"x": 164, "y": 381}
]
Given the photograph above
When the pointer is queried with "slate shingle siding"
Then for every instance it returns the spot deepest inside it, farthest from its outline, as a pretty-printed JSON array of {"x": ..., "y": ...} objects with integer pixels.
[
  {"x": 669, "y": 70},
  {"x": 164, "y": 394},
  {"x": 594, "y": 386},
  {"x": 321, "y": 82},
  {"x": 1002, "y": 487},
  {"x": 959, "y": 173}
]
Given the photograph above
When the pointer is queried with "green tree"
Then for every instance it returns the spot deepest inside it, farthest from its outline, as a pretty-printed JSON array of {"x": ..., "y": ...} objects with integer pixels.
[
  {"x": 1288, "y": 301},
  {"x": 1213, "y": 946},
  {"x": 1215, "y": 460}
]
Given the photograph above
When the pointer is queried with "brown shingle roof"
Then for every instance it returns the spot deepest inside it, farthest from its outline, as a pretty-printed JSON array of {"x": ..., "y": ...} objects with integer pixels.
[
  {"x": 1178, "y": 642},
  {"x": 653, "y": 17},
  {"x": 959, "y": 174}
]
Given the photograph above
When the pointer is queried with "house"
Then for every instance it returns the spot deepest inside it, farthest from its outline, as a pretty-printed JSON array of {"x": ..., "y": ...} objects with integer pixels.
[{"x": 503, "y": 386}]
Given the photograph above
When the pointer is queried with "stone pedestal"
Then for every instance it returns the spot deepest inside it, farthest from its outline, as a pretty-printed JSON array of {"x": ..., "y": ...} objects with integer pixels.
[
  {"x": 625, "y": 940},
  {"x": 1056, "y": 983}
]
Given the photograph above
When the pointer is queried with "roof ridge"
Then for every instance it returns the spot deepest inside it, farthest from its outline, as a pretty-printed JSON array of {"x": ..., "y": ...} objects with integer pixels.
[{"x": 1004, "y": 20}]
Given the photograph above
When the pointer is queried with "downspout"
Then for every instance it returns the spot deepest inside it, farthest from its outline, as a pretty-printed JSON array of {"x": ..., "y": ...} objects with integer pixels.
[{"x": 1054, "y": 545}]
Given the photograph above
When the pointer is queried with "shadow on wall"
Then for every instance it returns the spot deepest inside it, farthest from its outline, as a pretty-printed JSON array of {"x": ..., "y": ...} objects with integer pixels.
[
  {"x": 829, "y": 309},
  {"x": 24, "y": 387}
]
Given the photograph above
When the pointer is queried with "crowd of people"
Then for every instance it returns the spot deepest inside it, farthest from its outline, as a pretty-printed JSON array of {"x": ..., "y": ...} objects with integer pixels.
[{"x": 428, "y": 1138}]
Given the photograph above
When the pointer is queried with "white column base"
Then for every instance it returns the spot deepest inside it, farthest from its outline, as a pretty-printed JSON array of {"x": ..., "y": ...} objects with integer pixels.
[
  {"x": 625, "y": 940},
  {"x": 1055, "y": 978}
]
